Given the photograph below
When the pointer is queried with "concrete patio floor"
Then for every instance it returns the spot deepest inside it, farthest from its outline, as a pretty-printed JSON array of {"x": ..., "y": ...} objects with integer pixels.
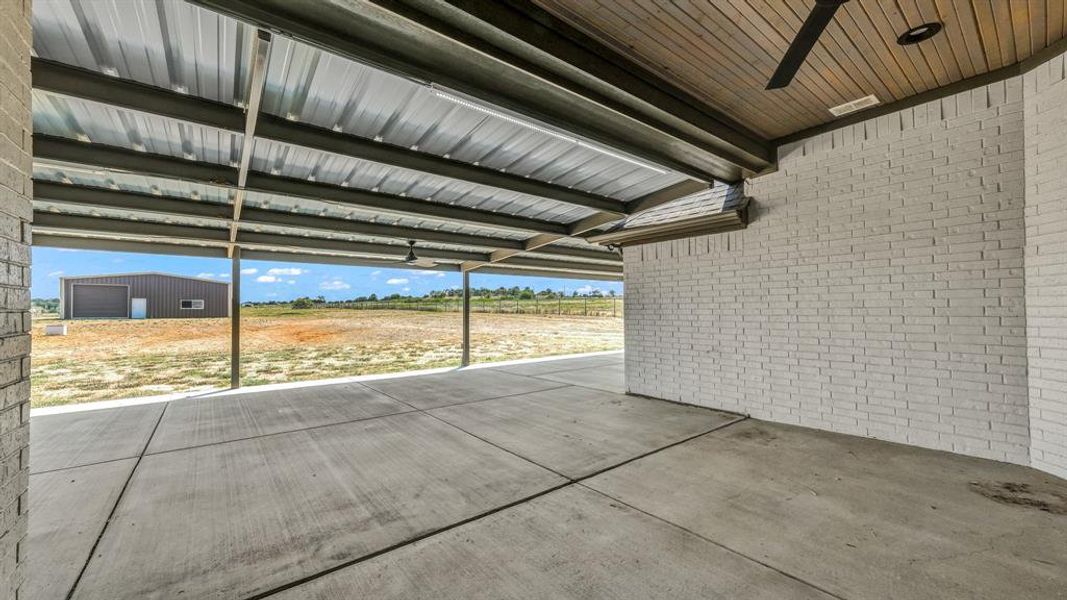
[{"x": 536, "y": 480}]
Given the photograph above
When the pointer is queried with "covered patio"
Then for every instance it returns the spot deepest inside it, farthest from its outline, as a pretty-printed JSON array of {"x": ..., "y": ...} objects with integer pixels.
[
  {"x": 842, "y": 225},
  {"x": 531, "y": 480}
]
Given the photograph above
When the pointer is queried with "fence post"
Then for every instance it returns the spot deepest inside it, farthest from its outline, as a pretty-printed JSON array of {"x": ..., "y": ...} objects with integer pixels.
[
  {"x": 559, "y": 305},
  {"x": 586, "y": 304},
  {"x": 613, "y": 299}
]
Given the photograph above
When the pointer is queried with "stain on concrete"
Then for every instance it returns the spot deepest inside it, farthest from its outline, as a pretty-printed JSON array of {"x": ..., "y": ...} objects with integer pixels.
[
  {"x": 756, "y": 434},
  {"x": 1040, "y": 497}
]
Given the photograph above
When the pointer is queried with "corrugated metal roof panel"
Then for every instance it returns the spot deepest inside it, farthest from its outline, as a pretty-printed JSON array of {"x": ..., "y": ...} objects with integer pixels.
[
  {"x": 719, "y": 198},
  {"x": 305, "y": 163},
  {"x": 60, "y": 172},
  {"x": 128, "y": 215},
  {"x": 169, "y": 43},
  {"x": 310, "y": 206},
  {"x": 312, "y": 86},
  {"x": 89, "y": 121}
]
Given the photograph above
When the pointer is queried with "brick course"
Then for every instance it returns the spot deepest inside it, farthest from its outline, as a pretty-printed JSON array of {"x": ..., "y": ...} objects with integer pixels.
[
  {"x": 1045, "y": 92},
  {"x": 15, "y": 214},
  {"x": 878, "y": 291}
]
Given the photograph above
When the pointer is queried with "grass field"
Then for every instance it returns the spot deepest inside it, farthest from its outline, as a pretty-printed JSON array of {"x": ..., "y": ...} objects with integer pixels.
[{"x": 105, "y": 360}]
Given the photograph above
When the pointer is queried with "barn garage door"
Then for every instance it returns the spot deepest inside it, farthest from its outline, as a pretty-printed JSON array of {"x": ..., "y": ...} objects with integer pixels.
[{"x": 100, "y": 301}]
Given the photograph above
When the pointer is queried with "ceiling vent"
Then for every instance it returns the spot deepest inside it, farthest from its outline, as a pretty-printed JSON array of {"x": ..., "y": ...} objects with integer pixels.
[{"x": 858, "y": 104}]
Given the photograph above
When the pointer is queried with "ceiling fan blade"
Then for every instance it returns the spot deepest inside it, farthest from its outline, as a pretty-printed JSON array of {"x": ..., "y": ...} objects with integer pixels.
[
  {"x": 819, "y": 17},
  {"x": 425, "y": 262}
]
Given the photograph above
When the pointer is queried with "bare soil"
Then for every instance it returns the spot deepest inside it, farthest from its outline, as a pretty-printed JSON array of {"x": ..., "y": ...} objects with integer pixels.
[{"x": 104, "y": 360}]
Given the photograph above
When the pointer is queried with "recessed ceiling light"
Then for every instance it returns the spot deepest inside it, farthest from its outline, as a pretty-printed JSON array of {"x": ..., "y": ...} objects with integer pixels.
[{"x": 919, "y": 33}]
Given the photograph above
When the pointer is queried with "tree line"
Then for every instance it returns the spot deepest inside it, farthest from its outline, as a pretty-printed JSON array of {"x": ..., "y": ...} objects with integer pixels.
[{"x": 507, "y": 293}]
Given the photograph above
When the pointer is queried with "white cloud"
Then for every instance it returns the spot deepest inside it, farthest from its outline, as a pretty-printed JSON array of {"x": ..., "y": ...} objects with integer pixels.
[
  {"x": 588, "y": 289},
  {"x": 267, "y": 279},
  {"x": 291, "y": 282},
  {"x": 432, "y": 273},
  {"x": 249, "y": 271},
  {"x": 205, "y": 275},
  {"x": 335, "y": 284},
  {"x": 291, "y": 271},
  {"x": 375, "y": 273},
  {"x": 407, "y": 289},
  {"x": 396, "y": 281},
  {"x": 55, "y": 273}
]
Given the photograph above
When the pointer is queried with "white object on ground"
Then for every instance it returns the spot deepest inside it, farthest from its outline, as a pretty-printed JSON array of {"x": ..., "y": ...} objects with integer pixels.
[{"x": 55, "y": 329}]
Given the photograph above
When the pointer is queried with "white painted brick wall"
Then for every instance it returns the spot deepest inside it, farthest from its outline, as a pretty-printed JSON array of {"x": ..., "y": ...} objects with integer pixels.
[
  {"x": 878, "y": 291},
  {"x": 1045, "y": 93},
  {"x": 15, "y": 214}
]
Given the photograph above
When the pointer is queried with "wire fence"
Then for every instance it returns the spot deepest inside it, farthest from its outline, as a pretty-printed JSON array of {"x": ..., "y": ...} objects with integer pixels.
[{"x": 586, "y": 306}]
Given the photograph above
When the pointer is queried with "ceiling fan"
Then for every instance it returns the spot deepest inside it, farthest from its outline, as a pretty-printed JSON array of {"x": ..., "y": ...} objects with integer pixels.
[
  {"x": 413, "y": 259},
  {"x": 819, "y": 17}
]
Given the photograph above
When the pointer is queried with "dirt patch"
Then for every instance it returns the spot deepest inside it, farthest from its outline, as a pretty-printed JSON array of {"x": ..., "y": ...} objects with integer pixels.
[
  {"x": 106, "y": 360},
  {"x": 1039, "y": 497}
]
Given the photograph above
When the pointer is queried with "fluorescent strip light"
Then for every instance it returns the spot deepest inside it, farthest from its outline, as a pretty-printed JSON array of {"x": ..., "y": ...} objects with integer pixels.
[
  {"x": 539, "y": 129},
  {"x": 621, "y": 157},
  {"x": 500, "y": 115}
]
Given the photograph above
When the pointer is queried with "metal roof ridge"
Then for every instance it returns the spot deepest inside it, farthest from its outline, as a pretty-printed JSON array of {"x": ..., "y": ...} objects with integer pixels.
[{"x": 136, "y": 273}]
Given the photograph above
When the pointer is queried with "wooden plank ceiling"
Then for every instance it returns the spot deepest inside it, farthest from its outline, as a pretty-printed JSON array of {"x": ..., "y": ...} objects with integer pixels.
[{"x": 724, "y": 51}]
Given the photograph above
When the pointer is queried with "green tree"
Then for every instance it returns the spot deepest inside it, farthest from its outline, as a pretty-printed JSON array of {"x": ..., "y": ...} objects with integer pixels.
[{"x": 303, "y": 302}]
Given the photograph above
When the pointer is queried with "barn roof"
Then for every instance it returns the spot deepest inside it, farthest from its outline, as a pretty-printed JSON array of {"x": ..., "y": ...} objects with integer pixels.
[{"x": 137, "y": 273}]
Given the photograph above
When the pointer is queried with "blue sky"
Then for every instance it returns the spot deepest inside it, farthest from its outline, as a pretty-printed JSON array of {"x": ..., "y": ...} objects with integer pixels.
[{"x": 276, "y": 280}]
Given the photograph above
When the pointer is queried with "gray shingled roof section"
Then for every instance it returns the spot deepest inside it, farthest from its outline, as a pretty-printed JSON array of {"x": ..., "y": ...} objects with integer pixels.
[{"x": 718, "y": 199}]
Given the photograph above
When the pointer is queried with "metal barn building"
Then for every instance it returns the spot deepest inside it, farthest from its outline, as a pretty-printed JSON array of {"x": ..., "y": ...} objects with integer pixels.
[{"x": 142, "y": 296}]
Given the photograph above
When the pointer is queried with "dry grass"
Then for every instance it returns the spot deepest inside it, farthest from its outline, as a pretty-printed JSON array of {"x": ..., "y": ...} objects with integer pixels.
[{"x": 103, "y": 360}]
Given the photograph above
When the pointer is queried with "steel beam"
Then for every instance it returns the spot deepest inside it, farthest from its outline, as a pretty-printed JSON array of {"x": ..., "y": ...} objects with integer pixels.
[
  {"x": 542, "y": 242},
  {"x": 121, "y": 227},
  {"x": 539, "y": 263},
  {"x": 122, "y": 159},
  {"x": 177, "y": 247},
  {"x": 91, "y": 197},
  {"x": 81, "y": 83},
  {"x": 520, "y": 32},
  {"x": 111, "y": 157},
  {"x": 283, "y": 130},
  {"x": 503, "y": 269},
  {"x": 52, "y": 222},
  {"x": 481, "y": 57},
  {"x": 54, "y": 240},
  {"x": 72, "y": 223},
  {"x": 304, "y": 255},
  {"x": 102, "y": 198},
  {"x": 255, "y": 96}
]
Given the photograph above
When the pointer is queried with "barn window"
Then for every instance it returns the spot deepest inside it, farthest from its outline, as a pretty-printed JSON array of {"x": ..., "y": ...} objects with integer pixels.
[{"x": 192, "y": 305}]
